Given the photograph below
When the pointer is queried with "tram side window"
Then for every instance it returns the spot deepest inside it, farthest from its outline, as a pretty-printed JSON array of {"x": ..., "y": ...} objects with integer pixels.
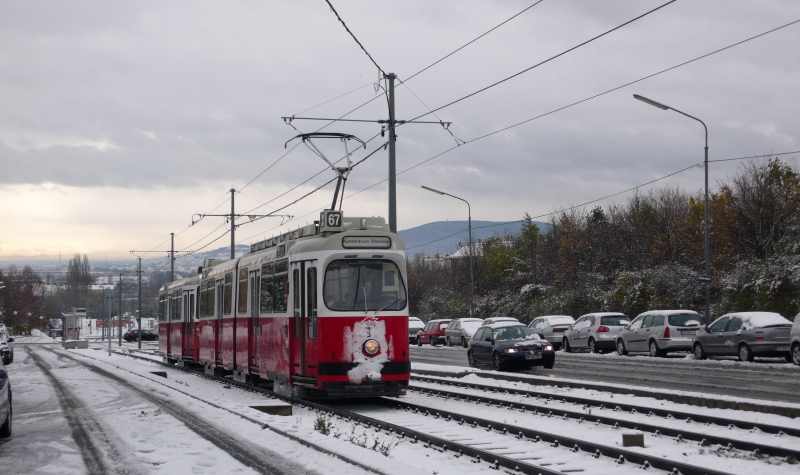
[
  {"x": 203, "y": 297},
  {"x": 175, "y": 310},
  {"x": 266, "y": 288},
  {"x": 281, "y": 283},
  {"x": 162, "y": 308},
  {"x": 227, "y": 296},
  {"x": 242, "y": 299},
  {"x": 311, "y": 289},
  {"x": 210, "y": 297}
]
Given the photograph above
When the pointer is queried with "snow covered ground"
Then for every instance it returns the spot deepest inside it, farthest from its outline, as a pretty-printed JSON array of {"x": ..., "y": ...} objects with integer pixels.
[{"x": 137, "y": 423}]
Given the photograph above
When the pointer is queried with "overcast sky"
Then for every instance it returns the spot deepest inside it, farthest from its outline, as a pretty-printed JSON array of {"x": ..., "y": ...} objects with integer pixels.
[{"x": 121, "y": 120}]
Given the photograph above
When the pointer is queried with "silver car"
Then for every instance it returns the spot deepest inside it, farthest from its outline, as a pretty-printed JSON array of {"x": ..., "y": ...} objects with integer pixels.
[
  {"x": 746, "y": 335},
  {"x": 460, "y": 331},
  {"x": 596, "y": 332},
  {"x": 795, "y": 341},
  {"x": 659, "y": 332},
  {"x": 552, "y": 327}
]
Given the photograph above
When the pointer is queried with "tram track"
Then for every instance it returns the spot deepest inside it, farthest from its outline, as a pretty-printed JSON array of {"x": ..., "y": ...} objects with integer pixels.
[
  {"x": 512, "y": 443},
  {"x": 584, "y": 414},
  {"x": 258, "y": 458}
]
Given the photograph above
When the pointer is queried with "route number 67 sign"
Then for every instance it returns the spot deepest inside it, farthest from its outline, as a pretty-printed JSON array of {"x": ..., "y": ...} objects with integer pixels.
[{"x": 330, "y": 221}]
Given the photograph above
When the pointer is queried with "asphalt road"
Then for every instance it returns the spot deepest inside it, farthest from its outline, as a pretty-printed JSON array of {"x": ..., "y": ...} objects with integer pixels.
[{"x": 766, "y": 378}]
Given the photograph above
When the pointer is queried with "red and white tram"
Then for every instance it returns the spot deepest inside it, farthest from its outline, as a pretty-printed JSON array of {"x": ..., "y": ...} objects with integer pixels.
[{"x": 319, "y": 311}]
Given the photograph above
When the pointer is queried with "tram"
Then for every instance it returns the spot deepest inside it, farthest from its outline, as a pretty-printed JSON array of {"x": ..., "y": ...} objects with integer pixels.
[{"x": 321, "y": 311}]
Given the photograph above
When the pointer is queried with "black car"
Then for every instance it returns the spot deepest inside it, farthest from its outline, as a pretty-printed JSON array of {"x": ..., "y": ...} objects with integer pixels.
[
  {"x": 147, "y": 335},
  {"x": 508, "y": 344}
]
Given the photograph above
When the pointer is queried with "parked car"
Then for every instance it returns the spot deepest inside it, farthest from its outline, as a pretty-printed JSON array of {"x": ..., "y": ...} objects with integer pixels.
[
  {"x": 795, "y": 340},
  {"x": 746, "y": 335},
  {"x": 147, "y": 335},
  {"x": 659, "y": 332},
  {"x": 6, "y": 346},
  {"x": 596, "y": 332},
  {"x": 509, "y": 345},
  {"x": 460, "y": 331},
  {"x": 415, "y": 325},
  {"x": 433, "y": 333},
  {"x": 5, "y": 403},
  {"x": 492, "y": 320},
  {"x": 552, "y": 327}
]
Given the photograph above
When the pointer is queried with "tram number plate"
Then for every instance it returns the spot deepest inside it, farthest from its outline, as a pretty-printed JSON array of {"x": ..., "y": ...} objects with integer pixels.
[
  {"x": 688, "y": 332},
  {"x": 781, "y": 348},
  {"x": 533, "y": 356}
]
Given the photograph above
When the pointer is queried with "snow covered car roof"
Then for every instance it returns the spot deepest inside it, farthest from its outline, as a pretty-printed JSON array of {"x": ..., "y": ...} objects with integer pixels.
[
  {"x": 759, "y": 319},
  {"x": 669, "y": 312}
]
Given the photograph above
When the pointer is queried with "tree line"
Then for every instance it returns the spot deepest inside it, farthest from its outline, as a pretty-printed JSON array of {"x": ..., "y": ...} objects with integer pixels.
[{"x": 643, "y": 254}]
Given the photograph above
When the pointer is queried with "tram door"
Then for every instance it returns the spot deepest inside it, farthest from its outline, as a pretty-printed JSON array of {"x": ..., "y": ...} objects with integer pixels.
[
  {"x": 304, "y": 318},
  {"x": 188, "y": 321},
  {"x": 255, "y": 325}
]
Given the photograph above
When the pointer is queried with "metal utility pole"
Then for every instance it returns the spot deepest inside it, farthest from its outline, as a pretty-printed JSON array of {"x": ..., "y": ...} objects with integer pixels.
[
  {"x": 139, "y": 312},
  {"x": 390, "y": 124},
  {"x": 392, "y": 158},
  {"x": 232, "y": 217},
  {"x": 119, "y": 316},
  {"x": 233, "y": 228},
  {"x": 172, "y": 257}
]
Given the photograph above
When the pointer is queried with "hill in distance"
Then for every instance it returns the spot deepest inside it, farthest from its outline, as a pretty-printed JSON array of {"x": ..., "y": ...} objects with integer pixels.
[{"x": 443, "y": 237}]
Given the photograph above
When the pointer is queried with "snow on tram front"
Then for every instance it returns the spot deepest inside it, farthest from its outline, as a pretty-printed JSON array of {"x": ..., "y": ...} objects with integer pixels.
[{"x": 321, "y": 311}]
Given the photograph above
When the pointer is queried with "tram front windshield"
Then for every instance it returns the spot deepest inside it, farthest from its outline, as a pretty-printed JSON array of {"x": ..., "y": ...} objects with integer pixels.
[{"x": 364, "y": 284}]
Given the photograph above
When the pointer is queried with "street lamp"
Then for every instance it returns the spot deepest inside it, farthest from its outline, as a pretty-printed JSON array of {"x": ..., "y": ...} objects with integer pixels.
[
  {"x": 707, "y": 277},
  {"x": 469, "y": 227}
]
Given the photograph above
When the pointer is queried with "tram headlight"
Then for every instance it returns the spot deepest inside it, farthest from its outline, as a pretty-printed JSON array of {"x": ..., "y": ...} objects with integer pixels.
[{"x": 371, "y": 347}]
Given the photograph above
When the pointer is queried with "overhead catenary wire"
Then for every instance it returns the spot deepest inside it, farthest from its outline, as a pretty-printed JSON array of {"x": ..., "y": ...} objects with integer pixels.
[
  {"x": 354, "y": 37},
  {"x": 545, "y": 61},
  {"x": 587, "y": 99},
  {"x": 572, "y": 104}
]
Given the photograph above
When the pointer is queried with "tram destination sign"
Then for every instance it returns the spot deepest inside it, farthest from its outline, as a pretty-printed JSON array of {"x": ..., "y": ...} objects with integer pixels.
[{"x": 366, "y": 242}]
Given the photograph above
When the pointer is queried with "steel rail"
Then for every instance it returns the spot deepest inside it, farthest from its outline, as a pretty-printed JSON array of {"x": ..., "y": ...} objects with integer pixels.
[
  {"x": 696, "y": 417},
  {"x": 679, "y": 434},
  {"x": 592, "y": 448}
]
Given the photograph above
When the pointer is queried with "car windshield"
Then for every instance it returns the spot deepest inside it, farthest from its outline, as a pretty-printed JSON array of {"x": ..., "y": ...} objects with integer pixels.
[
  {"x": 685, "y": 319},
  {"x": 616, "y": 320},
  {"x": 364, "y": 284},
  {"x": 512, "y": 333}
]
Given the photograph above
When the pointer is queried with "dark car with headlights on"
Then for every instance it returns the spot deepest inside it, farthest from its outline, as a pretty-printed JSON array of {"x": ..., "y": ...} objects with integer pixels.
[
  {"x": 146, "y": 335},
  {"x": 509, "y": 345},
  {"x": 5, "y": 403},
  {"x": 746, "y": 335}
]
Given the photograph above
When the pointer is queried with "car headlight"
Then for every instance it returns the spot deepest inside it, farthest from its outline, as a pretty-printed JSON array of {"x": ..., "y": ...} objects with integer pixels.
[
  {"x": 371, "y": 347},
  {"x": 548, "y": 348},
  {"x": 510, "y": 350}
]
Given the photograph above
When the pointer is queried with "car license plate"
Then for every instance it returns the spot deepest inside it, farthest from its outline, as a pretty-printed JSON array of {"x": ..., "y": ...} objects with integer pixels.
[
  {"x": 688, "y": 332},
  {"x": 781, "y": 348},
  {"x": 533, "y": 356}
]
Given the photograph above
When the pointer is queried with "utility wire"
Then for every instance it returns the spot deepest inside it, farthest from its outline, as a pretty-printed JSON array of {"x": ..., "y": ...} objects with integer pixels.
[
  {"x": 545, "y": 61},
  {"x": 354, "y": 37},
  {"x": 470, "y": 42}
]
